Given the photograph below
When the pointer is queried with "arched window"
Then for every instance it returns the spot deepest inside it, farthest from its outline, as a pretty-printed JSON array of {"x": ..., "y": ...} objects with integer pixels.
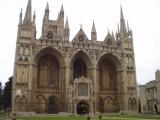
[
  {"x": 48, "y": 71},
  {"x": 79, "y": 68},
  {"x": 23, "y": 104},
  {"x": 17, "y": 103},
  {"x": 129, "y": 104},
  {"x": 82, "y": 89},
  {"x": 107, "y": 75}
]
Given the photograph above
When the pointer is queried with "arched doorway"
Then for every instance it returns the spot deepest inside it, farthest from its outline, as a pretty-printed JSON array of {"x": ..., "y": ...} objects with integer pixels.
[
  {"x": 82, "y": 108},
  {"x": 52, "y": 105},
  {"x": 108, "y": 74},
  {"x": 79, "y": 68}
]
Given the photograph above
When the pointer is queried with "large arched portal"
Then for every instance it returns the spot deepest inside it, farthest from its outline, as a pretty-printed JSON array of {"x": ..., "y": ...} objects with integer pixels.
[
  {"x": 108, "y": 73},
  {"x": 49, "y": 71},
  {"x": 82, "y": 108}
]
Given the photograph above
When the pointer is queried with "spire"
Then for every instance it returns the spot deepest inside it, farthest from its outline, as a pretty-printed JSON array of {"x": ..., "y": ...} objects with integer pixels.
[
  {"x": 20, "y": 17},
  {"x": 93, "y": 27},
  {"x": 93, "y": 33},
  {"x": 62, "y": 9},
  {"x": 47, "y": 6},
  {"x": 67, "y": 24},
  {"x": 28, "y": 15},
  {"x": 66, "y": 31},
  {"x": 112, "y": 34},
  {"x": 122, "y": 22},
  {"x": 46, "y": 15},
  {"x": 61, "y": 14},
  {"x": 58, "y": 17},
  {"x": 118, "y": 27},
  {"x": 128, "y": 27},
  {"x": 34, "y": 18}
]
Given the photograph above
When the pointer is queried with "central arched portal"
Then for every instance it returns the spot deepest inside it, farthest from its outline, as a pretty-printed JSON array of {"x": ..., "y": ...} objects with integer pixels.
[{"x": 82, "y": 108}]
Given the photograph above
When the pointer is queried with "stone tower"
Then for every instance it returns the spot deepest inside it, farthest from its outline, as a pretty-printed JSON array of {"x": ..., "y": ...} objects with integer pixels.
[{"x": 54, "y": 74}]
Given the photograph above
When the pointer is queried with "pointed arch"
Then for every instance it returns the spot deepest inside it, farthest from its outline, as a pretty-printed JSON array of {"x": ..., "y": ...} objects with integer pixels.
[
  {"x": 130, "y": 104},
  {"x": 40, "y": 104},
  {"x": 17, "y": 103},
  {"x": 111, "y": 57},
  {"x": 52, "y": 105},
  {"x": 134, "y": 104},
  {"x": 109, "y": 104},
  {"x": 23, "y": 104},
  {"x": 81, "y": 54},
  {"x": 21, "y": 49},
  {"x": 50, "y": 51},
  {"x": 27, "y": 50},
  {"x": 80, "y": 65}
]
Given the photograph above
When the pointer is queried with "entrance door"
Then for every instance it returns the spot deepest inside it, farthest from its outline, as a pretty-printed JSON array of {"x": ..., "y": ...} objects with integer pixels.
[
  {"x": 52, "y": 106},
  {"x": 82, "y": 108}
]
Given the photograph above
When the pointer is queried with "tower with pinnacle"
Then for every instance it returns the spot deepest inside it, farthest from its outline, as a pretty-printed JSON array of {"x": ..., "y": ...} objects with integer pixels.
[{"x": 54, "y": 74}]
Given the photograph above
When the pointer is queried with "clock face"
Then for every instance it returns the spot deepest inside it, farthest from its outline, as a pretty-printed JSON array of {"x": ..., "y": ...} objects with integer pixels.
[{"x": 49, "y": 35}]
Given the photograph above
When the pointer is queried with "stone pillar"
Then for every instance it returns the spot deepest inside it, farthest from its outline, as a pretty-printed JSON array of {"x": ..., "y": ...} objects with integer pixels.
[
  {"x": 75, "y": 108},
  {"x": 91, "y": 112}
]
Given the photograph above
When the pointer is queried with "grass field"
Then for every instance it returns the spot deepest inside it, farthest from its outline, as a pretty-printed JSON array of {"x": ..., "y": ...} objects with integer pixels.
[
  {"x": 107, "y": 117},
  {"x": 4, "y": 115}
]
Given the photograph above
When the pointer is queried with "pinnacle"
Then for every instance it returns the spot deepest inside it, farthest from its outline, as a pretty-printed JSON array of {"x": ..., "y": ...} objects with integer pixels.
[
  {"x": 67, "y": 24},
  {"x": 27, "y": 18},
  {"x": 93, "y": 27}
]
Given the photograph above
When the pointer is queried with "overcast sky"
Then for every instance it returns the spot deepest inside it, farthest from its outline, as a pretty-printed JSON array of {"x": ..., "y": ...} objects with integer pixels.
[{"x": 143, "y": 17}]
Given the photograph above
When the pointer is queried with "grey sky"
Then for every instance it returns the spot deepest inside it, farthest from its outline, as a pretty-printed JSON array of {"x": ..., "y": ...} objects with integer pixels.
[{"x": 143, "y": 17}]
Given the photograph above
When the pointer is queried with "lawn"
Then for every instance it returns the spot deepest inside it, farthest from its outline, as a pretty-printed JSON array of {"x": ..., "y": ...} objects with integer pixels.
[{"x": 106, "y": 117}]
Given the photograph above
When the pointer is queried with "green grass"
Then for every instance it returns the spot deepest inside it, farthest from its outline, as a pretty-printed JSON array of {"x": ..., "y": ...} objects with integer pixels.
[{"x": 106, "y": 117}]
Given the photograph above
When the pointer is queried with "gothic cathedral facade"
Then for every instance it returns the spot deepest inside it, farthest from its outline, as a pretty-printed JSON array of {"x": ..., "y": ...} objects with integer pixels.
[{"x": 54, "y": 74}]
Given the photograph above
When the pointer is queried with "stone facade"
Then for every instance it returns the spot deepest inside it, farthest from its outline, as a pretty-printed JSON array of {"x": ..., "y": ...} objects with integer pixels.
[
  {"x": 149, "y": 98},
  {"x": 54, "y": 74}
]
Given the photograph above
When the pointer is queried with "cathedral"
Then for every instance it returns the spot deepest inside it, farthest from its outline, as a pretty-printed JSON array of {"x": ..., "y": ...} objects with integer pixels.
[{"x": 54, "y": 74}]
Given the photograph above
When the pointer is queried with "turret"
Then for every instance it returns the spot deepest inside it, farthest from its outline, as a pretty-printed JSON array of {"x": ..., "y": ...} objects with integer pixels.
[
  {"x": 93, "y": 33},
  {"x": 28, "y": 16}
]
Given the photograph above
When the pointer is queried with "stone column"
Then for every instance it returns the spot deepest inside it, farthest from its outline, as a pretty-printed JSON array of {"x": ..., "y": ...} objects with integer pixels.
[{"x": 75, "y": 108}]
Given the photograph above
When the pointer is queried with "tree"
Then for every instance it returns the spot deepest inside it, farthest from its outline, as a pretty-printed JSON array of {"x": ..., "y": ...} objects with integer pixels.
[
  {"x": 0, "y": 96},
  {"x": 7, "y": 94}
]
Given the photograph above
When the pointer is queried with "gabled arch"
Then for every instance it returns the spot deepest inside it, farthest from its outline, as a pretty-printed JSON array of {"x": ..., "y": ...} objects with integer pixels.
[
  {"x": 50, "y": 51},
  {"x": 84, "y": 56},
  {"x": 110, "y": 57}
]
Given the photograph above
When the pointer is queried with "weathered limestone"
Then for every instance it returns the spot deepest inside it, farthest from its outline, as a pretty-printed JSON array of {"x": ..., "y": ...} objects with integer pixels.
[{"x": 54, "y": 74}]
